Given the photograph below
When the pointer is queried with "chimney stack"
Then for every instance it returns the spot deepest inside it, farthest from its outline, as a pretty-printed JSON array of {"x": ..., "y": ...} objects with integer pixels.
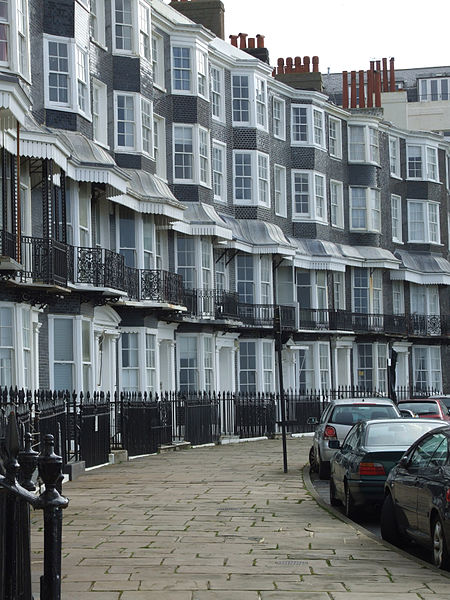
[
  {"x": 253, "y": 46},
  {"x": 298, "y": 74},
  {"x": 209, "y": 13},
  {"x": 378, "y": 79}
]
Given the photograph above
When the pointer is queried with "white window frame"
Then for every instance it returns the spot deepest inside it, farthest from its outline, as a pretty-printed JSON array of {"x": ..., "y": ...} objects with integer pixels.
[
  {"x": 222, "y": 148},
  {"x": 255, "y": 199},
  {"x": 339, "y": 290},
  {"x": 252, "y": 100},
  {"x": 100, "y": 112},
  {"x": 432, "y": 381},
  {"x": 368, "y": 155},
  {"x": 310, "y": 138},
  {"x": 197, "y": 53},
  {"x": 337, "y": 204},
  {"x": 16, "y": 29},
  {"x": 312, "y": 214},
  {"x": 73, "y": 77},
  {"x": 98, "y": 21},
  {"x": 430, "y": 294},
  {"x": 134, "y": 27},
  {"x": 396, "y": 218},
  {"x": 426, "y": 94},
  {"x": 264, "y": 365},
  {"x": 280, "y": 190},
  {"x": 374, "y": 289},
  {"x": 279, "y": 120},
  {"x": 197, "y": 132},
  {"x": 394, "y": 156},
  {"x": 428, "y": 208},
  {"x": 137, "y": 109},
  {"x": 337, "y": 138},
  {"x": 261, "y": 103},
  {"x": 159, "y": 146},
  {"x": 204, "y": 361},
  {"x": 427, "y": 174},
  {"x": 378, "y": 368},
  {"x": 145, "y": 30},
  {"x": 217, "y": 93},
  {"x": 372, "y": 207},
  {"x": 157, "y": 44},
  {"x": 142, "y": 367},
  {"x": 309, "y": 361},
  {"x": 146, "y": 122},
  {"x": 398, "y": 298}
]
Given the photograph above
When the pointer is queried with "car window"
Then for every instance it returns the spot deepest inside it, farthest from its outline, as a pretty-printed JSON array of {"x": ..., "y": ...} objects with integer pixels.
[
  {"x": 351, "y": 441},
  {"x": 324, "y": 417},
  {"x": 398, "y": 433},
  {"x": 439, "y": 458},
  {"x": 349, "y": 414},
  {"x": 425, "y": 451},
  {"x": 421, "y": 408}
]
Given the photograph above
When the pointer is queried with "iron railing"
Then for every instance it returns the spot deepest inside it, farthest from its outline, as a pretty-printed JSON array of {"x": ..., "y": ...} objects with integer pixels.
[
  {"x": 8, "y": 244},
  {"x": 45, "y": 261}
]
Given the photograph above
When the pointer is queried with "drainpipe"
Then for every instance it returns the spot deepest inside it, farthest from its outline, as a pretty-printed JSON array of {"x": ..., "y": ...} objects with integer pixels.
[{"x": 19, "y": 209}]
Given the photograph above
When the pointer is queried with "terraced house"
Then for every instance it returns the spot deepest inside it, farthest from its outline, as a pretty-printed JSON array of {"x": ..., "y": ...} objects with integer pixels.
[{"x": 163, "y": 189}]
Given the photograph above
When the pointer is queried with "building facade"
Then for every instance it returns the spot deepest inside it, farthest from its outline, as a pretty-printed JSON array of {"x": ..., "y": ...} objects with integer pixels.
[{"x": 163, "y": 191}]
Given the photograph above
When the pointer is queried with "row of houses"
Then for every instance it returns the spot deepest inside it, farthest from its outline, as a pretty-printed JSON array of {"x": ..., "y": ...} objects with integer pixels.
[{"x": 165, "y": 190}]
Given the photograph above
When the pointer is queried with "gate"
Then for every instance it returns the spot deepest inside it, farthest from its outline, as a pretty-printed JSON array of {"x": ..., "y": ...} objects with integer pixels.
[{"x": 95, "y": 425}]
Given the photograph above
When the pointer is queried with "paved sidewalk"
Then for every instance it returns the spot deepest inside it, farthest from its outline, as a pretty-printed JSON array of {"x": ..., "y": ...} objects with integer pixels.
[{"x": 222, "y": 523}]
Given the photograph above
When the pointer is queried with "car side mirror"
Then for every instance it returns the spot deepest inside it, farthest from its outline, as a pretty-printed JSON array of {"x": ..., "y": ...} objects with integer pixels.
[
  {"x": 334, "y": 444},
  {"x": 312, "y": 421},
  {"x": 403, "y": 462}
]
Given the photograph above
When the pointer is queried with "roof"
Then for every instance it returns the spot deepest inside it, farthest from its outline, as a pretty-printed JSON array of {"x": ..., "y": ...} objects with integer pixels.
[
  {"x": 202, "y": 219},
  {"x": 422, "y": 268},
  {"x": 258, "y": 237}
]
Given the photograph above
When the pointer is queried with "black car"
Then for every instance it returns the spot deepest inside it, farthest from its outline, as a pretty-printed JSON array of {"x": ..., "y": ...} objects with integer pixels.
[
  {"x": 361, "y": 465},
  {"x": 417, "y": 497}
]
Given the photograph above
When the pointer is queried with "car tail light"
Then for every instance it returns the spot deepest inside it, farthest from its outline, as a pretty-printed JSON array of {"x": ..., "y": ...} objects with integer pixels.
[
  {"x": 447, "y": 495},
  {"x": 367, "y": 468},
  {"x": 329, "y": 433}
]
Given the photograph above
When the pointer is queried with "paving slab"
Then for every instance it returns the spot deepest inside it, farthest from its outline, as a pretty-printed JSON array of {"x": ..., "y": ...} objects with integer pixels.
[{"x": 222, "y": 523}]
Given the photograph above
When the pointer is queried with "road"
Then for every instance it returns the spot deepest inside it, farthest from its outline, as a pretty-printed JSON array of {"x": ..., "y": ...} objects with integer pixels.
[{"x": 370, "y": 520}]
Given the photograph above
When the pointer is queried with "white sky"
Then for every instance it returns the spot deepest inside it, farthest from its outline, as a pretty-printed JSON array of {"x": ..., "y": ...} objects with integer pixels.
[{"x": 347, "y": 34}]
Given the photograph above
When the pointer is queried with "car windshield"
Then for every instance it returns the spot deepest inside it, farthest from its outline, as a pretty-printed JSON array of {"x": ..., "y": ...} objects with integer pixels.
[
  {"x": 397, "y": 434},
  {"x": 421, "y": 408},
  {"x": 349, "y": 414}
]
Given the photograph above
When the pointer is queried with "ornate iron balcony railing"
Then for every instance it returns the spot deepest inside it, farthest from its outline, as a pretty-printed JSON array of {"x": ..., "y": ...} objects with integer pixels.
[
  {"x": 44, "y": 261},
  {"x": 8, "y": 244}
]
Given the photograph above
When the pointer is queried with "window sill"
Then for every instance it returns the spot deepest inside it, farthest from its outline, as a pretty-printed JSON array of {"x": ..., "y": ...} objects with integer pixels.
[
  {"x": 159, "y": 87},
  {"x": 334, "y": 157},
  {"x": 394, "y": 176},
  {"x": 279, "y": 137},
  {"x": 99, "y": 44},
  {"x": 308, "y": 145},
  {"x": 296, "y": 219},
  {"x": 423, "y": 179},
  {"x": 364, "y": 162}
]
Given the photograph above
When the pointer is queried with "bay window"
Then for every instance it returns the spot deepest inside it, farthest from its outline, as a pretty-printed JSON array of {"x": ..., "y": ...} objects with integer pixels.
[
  {"x": 307, "y": 126},
  {"x": 363, "y": 144},
  {"x": 127, "y": 236},
  {"x": 371, "y": 367},
  {"x": 189, "y": 70},
  {"x": 309, "y": 196},
  {"x": 424, "y": 299},
  {"x": 67, "y": 75},
  {"x": 186, "y": 260},
  {"x": 256, "y": 366},
  {"x": 138, "y": 360},
  {"x": 245, "y": 278},
  {"x": 423, "y": 222},
  {"x": 159, "y": 146},
  {"x": 27, "y": 348},
  {"x": 86, "y": 355},
  {"x": 150, "y": 362},
  {"x": 313, "y": 366},
  {"x": 133, "y": 123},
  {"x": 422, "y": 162},
  {"x": 365, "y": 209},
  {"x": 158, "y": 60},
  {"x": 191, "y": 154},
  {"x": 249, "y": 100},
  {"x": 367, "y": 291},
  {"x": 339, "y": 291},
  {"x": 398, "y": 298},
  {"x": 14, "y": 37},
  {"x": 427, "y": 371},
  {"x": 100, "y": 112},
  {"x": 251, "y": 178},
  {"x": 63, "y": 354},
  {"x": 195, "y": 355}
]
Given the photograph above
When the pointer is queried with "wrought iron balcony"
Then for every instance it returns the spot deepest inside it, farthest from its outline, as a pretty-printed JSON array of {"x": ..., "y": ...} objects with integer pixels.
[
  {"x": 262, "y": 315},
  {"x": 161, "y": 286},
  {"x": 8, "y": 244},
  {"x": 211, "y": 304},
  {"x": 44, "y": 261}
]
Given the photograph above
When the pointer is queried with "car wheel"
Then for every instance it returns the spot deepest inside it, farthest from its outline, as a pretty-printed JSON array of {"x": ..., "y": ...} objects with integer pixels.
[
  {"x": 324, "y": 469},
  {"x": 440, "y": 552},
  {"x": 388, "y": 522},
  {"x": 333, "y": 500},
  {"x": 312, "y": 461},
  {"x": 349, "y": 505}
]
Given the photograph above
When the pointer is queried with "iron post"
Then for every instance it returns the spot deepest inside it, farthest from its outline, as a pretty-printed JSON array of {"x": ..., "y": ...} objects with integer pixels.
[{"x": 278, "y": 348}]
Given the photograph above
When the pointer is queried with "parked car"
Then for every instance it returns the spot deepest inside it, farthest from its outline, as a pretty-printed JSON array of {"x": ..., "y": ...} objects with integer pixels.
[
  {"x": 417, "y": 497},
  {"x": 337, "y": 420},
  {"x": 429, "y": 408},
  {"x": 444, "y": 398},
  {"x": 361, "y": 465}
]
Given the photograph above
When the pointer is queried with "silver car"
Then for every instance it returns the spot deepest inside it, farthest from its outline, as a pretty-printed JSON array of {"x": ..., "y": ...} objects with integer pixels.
[{"x": 336, "y": 421}]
